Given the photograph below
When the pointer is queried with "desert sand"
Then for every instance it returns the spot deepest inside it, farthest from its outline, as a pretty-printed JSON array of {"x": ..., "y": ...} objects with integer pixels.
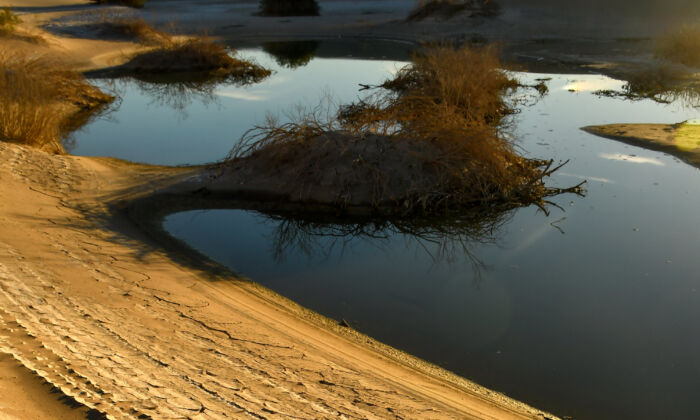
[
  {"x": 97, "y": 309},
  {"x": 93, "y": 305}
]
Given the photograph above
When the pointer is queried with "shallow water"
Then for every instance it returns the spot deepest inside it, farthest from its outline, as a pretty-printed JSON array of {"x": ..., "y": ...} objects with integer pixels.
[{"x": 591, "y": 312}]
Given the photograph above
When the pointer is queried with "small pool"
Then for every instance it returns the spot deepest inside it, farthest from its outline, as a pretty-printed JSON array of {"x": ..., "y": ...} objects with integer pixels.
[{"x": 592, "y": 311}]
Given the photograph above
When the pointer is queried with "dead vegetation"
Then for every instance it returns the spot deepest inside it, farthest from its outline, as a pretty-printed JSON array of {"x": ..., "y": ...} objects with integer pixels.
[
  {"x": 426, "y": 141},
  {"x": 674, "y": 78},
  {"x": 446, "y": 9},
  {"x": 8, "y": 21},
  {"x": 681, "y": 45},
  {"x": 133, "y": 29},
  {"x": 196, "y": 55},
  {"x": 42, "y": 100},
  {"x": 288, "y": 8},
  {"x": 199, "y": 57}
]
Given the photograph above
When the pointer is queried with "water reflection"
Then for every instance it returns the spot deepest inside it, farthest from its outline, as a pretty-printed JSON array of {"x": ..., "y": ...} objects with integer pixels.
[
  {"x": 442, "y": 239},
  {"x": 631, "y": 158},
  {"x": 662, "y": 85},
  {"x": 178, "y": 92},
  {"x": 292, "y": 54}
]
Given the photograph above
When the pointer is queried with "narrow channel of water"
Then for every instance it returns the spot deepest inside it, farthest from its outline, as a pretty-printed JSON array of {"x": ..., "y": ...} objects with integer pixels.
[{"x": 591, "y": 312}]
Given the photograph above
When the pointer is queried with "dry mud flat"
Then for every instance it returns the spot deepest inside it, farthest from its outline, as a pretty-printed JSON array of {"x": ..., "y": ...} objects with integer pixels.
[{"x": 94, "y": 307}]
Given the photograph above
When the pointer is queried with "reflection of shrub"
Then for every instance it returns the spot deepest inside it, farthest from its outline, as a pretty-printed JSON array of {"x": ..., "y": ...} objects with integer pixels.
[
  {"x": 681, "y": 45},
  {"x": 41, "y": 99},
  {"x": 137, "y": 4},
  {"x": 446, "y": 9},
  {"x": 288, "y": 8},
  {"x": 660, "y": 83},
  {"x": 8, "y": 21},
  {"x": 427, "y": 141},
  {"x": 291, "y": 54}
]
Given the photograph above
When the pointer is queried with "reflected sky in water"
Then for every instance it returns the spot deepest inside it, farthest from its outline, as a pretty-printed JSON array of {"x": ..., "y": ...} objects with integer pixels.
[
  {"x": 149, "y": 130},
  {"x": 591, "y": 312}
]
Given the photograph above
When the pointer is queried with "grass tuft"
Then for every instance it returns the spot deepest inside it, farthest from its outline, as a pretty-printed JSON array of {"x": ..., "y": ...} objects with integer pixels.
[
  {"x": 427, "y": 141},
  {"x": 446, "y": 9},
  {"x": 137, "y": 29},
  {"x": 42, "y": 100},
  {"x": 681, "y": 45},
  {"x": 288, "y": 8},
  {"x": 8, "y": 21},
  {"x": 197, "y": 56}
]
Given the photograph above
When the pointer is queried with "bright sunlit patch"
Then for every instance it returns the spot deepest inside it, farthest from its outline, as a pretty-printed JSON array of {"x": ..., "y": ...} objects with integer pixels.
[
  {"x": 688, "y": 136},
  {"x": 695, "y": 121},
  {"x": 631, "y": 158},
  {"x": 588, "y": 178},
  {"x": 590, "y": 85},
  {"x": 243, "y": 95}
]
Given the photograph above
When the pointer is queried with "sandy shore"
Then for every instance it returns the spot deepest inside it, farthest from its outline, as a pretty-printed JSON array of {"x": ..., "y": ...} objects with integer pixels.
[{"x": 97, "y": 309}]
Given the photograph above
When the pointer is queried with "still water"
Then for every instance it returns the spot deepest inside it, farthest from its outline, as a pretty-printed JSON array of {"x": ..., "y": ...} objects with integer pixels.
[{"x": 592, "y": 311}]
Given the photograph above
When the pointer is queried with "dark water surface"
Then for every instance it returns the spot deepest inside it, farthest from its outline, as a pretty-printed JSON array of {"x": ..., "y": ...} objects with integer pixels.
[{"x": 592, "y": 312}]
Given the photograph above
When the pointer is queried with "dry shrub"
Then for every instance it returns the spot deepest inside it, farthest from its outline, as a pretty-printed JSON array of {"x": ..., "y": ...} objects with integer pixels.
[
  {"x": 8, "y": 21},
  {"x": 681, "y": 45},
  {"x": 446, "y": 9},
  {"x": 137, "y": 29},
  {"x": 196, "y": 55},
  {"x": 288, "y": 8},
  {"x": 427, "y": 141},
  {"x": 41, "y": 99}
]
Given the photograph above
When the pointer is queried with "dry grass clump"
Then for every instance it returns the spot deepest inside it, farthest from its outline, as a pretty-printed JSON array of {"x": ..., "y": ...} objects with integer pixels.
[
  {"x": 41, "y": 99},
  {"x": 8, "y": 21},
  {"x": 288, "y": 8},
  {"x": 200, "y": 57},
  {"x": 137, "y": 29},
  {"x": 196, "y": 55},
  {"x": 681, "y": 45},
  {"x": 427, "y": 141},
  {"x": 446, "y": 9}
]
